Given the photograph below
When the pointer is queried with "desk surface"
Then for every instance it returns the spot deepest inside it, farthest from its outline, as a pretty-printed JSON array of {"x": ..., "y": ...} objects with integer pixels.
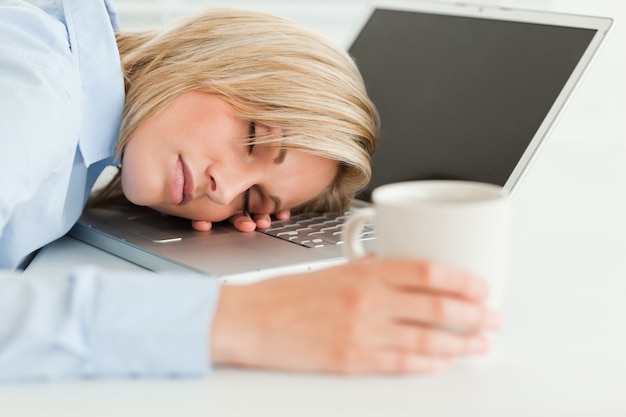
[{"x": 562, "y": 351}]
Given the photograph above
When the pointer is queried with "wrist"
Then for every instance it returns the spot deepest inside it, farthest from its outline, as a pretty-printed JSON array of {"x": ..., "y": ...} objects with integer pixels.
[{"x": 231, "y": 331}]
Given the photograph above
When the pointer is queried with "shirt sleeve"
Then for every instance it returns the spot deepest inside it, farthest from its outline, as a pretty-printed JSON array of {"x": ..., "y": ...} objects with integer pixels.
[
  {"x": 39, "y": 107},
  {"x": 96, "y": 323}
]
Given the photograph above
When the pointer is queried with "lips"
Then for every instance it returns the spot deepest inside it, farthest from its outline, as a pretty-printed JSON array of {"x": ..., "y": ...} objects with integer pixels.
[{"x": 181, "y": 188}]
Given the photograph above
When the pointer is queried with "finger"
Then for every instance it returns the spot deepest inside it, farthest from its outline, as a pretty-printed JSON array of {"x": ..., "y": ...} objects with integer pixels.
[
  {"x": 425, "y": 275},
  {"x": 392, "y": 361},
  {"x": 441, "y": 310},
  {"x": 402, "y": 362},
  {"x": 201, "y": 225},
  {"x": 243, "y": 223},
  {"x": 282, "y": 215},
  {"x": 263, "y": 221},
  {"x": 431, "y": 341}
]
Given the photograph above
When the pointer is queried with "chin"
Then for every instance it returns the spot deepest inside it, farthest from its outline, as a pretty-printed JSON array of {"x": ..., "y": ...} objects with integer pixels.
[
  {"x": 140, "y": 198},
  {"x": 185, "y": 213},
  {"x": 137, "y": 200},
  {"x": 170, "y": 211}
]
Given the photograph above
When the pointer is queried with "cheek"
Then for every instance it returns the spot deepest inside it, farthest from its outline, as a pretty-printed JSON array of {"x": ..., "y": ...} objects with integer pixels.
[
  {"x": 131, "y": 180},
  {"x": 303, "y": 186},
  {"x": 139, "y": 188}
]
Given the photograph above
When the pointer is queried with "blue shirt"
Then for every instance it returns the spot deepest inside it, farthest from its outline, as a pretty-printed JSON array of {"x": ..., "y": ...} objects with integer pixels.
[{"x": 61, "y": 97}]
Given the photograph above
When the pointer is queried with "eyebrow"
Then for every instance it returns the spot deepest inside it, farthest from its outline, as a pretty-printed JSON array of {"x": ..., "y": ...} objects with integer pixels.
[{"x": 281, "y": 157}]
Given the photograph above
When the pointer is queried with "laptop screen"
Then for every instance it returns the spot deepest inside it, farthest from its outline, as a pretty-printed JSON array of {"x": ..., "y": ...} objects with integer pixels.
[{"x": 460, "y": 97}]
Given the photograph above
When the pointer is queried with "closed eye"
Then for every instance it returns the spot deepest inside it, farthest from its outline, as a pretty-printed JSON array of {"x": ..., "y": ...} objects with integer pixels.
[
  {"x": 251, "y": 136},
  {"x": 251, "y": 139}
]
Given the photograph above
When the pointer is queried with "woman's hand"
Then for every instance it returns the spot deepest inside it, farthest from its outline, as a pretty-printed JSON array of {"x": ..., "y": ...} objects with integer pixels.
[
  {"x": 368, "y": 316},
  {"x": 244, "y": 223}
]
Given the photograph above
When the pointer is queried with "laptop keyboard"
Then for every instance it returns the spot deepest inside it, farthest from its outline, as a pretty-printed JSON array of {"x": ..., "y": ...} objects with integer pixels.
[{"x": 314, "y": 230}]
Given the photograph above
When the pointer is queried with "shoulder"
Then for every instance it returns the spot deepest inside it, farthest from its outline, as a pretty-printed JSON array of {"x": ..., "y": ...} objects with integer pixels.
[
  {"x": 40, "y": 94},
  {"x": 33, "y": 40},
  {"x": 40, "y": 83},
  {"x": 30, "y": 30}
]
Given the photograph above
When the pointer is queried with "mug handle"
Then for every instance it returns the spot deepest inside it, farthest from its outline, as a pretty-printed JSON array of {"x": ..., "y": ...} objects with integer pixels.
[{"x": 352, "y": 231}]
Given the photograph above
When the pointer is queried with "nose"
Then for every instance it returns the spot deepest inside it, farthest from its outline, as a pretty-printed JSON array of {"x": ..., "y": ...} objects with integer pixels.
[{"x": 225, "y": 185}]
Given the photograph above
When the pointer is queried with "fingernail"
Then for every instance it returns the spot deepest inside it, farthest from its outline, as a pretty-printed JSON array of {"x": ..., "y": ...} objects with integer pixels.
[
  {"x": 493, "y": 320},
  {"x": 479, "y": 344},
  {"x": 444, "y": 363},
  {"x": 478, "y": 289}
]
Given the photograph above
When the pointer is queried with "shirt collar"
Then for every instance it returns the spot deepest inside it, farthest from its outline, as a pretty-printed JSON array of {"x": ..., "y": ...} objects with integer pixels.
[{"x": 90, "y": 25}]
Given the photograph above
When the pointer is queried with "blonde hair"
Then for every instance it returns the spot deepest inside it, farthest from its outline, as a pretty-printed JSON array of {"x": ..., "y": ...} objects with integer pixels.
[{"x": 270, "y": 70}]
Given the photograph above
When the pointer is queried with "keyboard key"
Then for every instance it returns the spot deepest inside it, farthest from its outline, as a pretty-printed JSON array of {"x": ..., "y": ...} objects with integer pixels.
[{"x": 314, "y": 230}]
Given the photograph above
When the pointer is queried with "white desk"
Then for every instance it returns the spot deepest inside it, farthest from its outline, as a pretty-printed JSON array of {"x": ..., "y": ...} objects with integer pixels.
[{"x": 562, "y": 351}]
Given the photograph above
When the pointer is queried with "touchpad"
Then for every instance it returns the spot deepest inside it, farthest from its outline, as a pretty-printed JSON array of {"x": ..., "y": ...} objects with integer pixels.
[{"x": 156, "y": 227}]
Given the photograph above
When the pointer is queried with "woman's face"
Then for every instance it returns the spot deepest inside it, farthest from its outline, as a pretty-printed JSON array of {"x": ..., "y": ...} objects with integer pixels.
[{"x": 195, "y": 159}]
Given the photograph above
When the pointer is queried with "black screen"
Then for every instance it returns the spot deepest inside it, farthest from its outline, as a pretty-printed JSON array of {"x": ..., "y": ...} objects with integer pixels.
[{"x": 460, "y": 97}]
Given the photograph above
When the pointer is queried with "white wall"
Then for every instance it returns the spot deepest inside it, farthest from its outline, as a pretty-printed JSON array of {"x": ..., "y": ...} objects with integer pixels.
[
  {"x": 603, "y": 92},
  {"x": 335, "y": 19}
]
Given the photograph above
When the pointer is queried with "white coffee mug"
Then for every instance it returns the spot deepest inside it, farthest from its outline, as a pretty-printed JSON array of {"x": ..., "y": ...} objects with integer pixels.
[{"x": 458, "y": 223}]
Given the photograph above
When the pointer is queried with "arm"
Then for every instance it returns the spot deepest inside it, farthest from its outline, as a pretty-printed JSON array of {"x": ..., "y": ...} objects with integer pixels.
[
  {"x": 90, "y": 323},
  {"x": 97, "y": 324},
  {"x": 370, "y": 316}
]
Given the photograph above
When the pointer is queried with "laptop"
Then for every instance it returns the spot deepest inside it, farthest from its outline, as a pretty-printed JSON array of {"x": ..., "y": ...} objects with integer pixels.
[{"x": 464, "y": 92}]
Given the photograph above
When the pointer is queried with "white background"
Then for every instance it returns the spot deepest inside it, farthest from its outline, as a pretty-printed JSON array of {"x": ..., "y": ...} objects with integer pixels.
[
  {"x": 338, "y": 20},
  {"x": 562, "y": 350}
]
